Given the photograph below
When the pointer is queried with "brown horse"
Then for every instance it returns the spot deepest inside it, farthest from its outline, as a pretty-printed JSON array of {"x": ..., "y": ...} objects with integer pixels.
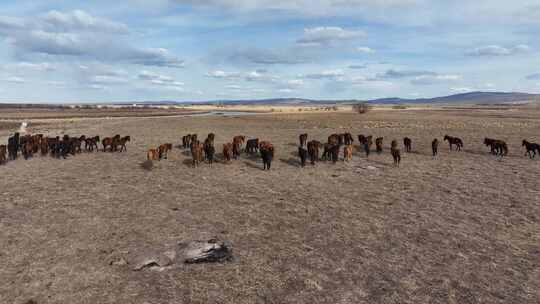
[
  {"x": 122, "y": 143},
  {"x": 91, "y": 143},
  {"x": 44, "y": 146},
  {"x": 347, "y": 152},
  {"x": 348, "y": 139},
  {"x": 110, "y": 142},
  {"x": 196, "y": 153},
  {"x": 396, "y": 154},
  {"x": 267, "y": 154},
  {"x": 313, "y": 150},
  {"x": 153, "y": 154},
  {"x": 498, "y": 147},
  {"x": 227, "y": 152},
  {"x": 238, "y": 141},
  {"x": 379, "y": 144},
  {"x": 3, "y": 150},
  {"x": 303, "y": 139},
  {"x": 252, "y": 145},
  {"x": 163, "y": 150}
]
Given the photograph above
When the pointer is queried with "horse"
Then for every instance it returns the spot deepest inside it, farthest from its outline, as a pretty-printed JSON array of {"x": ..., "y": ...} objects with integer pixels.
[
  {"x": 107, "y": 142},
  {"x": 347, "y": 152},
  {"x": 331, "y": 152},
  {"x": 368, "y": 142},
  {"x": 163, "y": 150},
  {"x": 186, "y": 141},
  {"x": 196, "y": 153},
  {"x": 122, "y": 143},
  {"x": 227, "y": 152},
  {"x": 91, "y": 143},
  {"x": 407, "y": 142},
  {"x": 238, "y": 141},
  {"x": 435, "y": 147},
  {"x": 531, "y": 148},
  {"x": 13, "y": 146},
  {"x": 498, "y": 147},
  {"x": 454, "y": 141},
  {"x": 44, "y": 146},
  {"x": 152, "y": 154},
  {"x": 3, "y": 150},
  {"x": 379, "y": 144},
  {"x": 348, "y": 139},
  {"x": 396, "y": 154},
  {"x": 252, "y": 145},
  {"x": 303, "y": 153},
  {"x": 209, "y": 151},
  {"x": 267, "y": 154},
  {"x": 303, "y": 139},
  {"x": 313, "y": 151}
]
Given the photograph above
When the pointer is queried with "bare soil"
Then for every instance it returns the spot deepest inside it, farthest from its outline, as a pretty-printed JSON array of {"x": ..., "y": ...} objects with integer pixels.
[{"x": 461, "y": 228}]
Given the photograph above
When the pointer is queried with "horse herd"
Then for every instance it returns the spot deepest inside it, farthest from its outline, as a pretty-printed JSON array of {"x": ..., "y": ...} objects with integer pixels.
[
  {"x": 60, "y": 147},
  {"x": 311, "y": 149}
]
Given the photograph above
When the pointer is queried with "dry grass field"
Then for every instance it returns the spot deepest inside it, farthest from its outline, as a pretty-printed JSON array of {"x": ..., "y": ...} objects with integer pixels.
[{"x": 462, "y": 228}]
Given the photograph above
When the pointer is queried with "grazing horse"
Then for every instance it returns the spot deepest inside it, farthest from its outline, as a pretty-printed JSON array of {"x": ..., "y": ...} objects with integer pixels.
[
  {"x": 497, "y": 147},
  {"x": 407, "y": 142},
  {"x": 196, "y": 153},
  {"x": 227, "y": 151},
  {"x": 91, "y": 143},
  {"x": 313, "y": 150},
  {"x": 303, "y": 139},
  {"x": 163, "y": 150},
  {"x": 252, "y": 145},
  {"x": 238, "y": 141},
  {"x": 435, "y": 147},
  {"x": 454, "y": 141},
  {"x": 347, "y": 152},
  {"x": 347, "y": 139},
  {"x": 396, "y": 154},
  {"x": 267, "y": 154},
  {"x": 153, "y": 154},
  {"x": 303, "y": 153},
  {"x": 3, "y": 150},
  {"x": 531, "y": 148},
  {"x": 379, "y": 144},
  {"x": 122, "y": 143}
]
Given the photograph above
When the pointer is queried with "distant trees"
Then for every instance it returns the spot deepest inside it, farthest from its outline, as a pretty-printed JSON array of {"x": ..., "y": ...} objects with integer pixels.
[{"x": 361, "y": 108}]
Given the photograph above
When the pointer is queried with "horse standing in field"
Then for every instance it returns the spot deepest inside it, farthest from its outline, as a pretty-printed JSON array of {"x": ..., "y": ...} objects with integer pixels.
[
  {"x": 91, "y": 143},
  {"x": 313, "y": 151},
  {"x": 163, "y": 150},
  {"x": 303, "y": 139},
  {"x": 435, "y": 147},
  {"x": 44, "y": 146},
  {"x": 238, "y": 141},
  {"x": 122, "y": 143},
  {"x": 3, "y": 150},
  {"x": 396, "y": 154},
  {"x": 252, "y": 145},
  {"x": 368, "y": 142},
  {"x": 407, "y": 142},
  {"x": 197, "y": 153},
  {"x": 531, "y": 148},
  {"x": 303, "y": 153},
  {"x": 347, "y": 139},
  {"x": 227, "y": 151},
  {"x": 267, "y": 154},
  {"x": 186, "y": 141},
  {"x": 379, "y": 144},
  {"x": 152, "y": 154},
  {"x": 347, "y": 152},
  {"x": 454, "y": 141},
  {"x": 13, "y": 146}
]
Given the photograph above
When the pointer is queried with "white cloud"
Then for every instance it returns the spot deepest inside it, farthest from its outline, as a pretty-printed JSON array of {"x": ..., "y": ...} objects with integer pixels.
[
  {"x": 160, "y": 80},
  {"x": 535, "y": 76},
  {"x": 326, "y": 35},
  {"x": 396, "y": 74},
  {"x": 365, "y": 50},
  {"x": 461, "y": 90},
  {"x": 79, "y": 35},
  {"x": 434, "y": 79},
  {"x": 497, "y": 50},
  {"x": 328, "y": 74}
]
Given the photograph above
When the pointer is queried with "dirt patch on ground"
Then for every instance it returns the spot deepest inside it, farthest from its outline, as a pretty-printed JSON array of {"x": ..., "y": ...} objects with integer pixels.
[{"x": 462, "y": 228}]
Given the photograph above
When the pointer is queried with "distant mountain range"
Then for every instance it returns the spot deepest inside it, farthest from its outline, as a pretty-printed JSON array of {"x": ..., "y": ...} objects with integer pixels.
[{"x": 476, "y": 98}]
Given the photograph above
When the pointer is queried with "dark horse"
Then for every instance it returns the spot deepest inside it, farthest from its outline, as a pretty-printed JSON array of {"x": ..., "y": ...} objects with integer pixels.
[
  {"x": 396, "y": 154},
  {"x": 454, "y": 141},
  {"x": 313, "y": 150},
  {"x": 407, "y": 142},
  {"x": 531, "y": 148},
  {"x": 267, "y": 154},
  {"x": 498, "y": 147},
  {"x": 435, "y": 147}
]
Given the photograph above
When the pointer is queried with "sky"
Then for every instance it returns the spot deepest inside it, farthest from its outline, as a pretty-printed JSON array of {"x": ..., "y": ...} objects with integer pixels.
[{"x": 196, "y": 50}]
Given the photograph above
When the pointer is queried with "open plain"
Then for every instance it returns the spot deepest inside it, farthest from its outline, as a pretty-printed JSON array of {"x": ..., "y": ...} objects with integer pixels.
[{"x": 460, "y": 228}]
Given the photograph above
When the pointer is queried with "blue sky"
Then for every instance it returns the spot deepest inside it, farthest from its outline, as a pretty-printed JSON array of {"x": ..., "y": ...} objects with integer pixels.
[{"x": 188, "y": 50}]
